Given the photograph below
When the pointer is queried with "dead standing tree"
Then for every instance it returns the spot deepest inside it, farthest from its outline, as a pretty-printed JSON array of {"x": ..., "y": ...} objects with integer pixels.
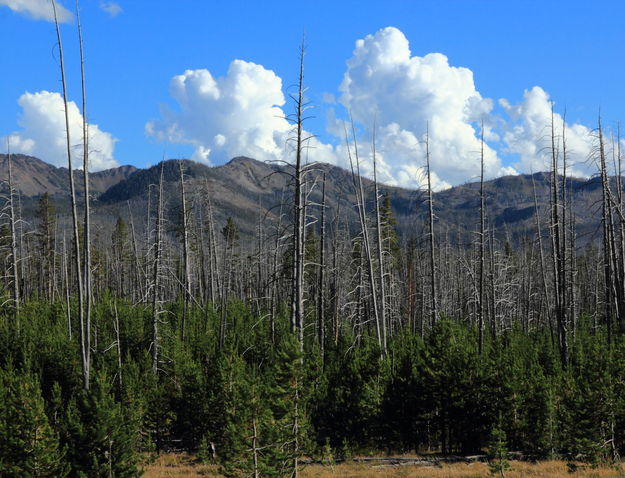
[
  {"x": 482, "y": 244},
  {"x": 321, "y": 294},
  {"x": 84, "y": 333},
  {"x": 158, "y": 246},
  {"x": 297, "y": 271},
  {"x": 299, "y": 214},
  {"x": 185, "y": 251},
  {"x": 378, "y": 222},
  {"x": 433, "y": 278},
  {"x": 558, "y": 256},
  {"x": 14, "y": 249},
  {"x": 354, "y": 161},
  {"x": 87, "y": 223}
]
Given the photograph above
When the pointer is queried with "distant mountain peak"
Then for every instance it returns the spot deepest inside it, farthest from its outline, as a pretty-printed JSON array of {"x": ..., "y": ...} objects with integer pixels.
[{"x": 34, "y": 177}]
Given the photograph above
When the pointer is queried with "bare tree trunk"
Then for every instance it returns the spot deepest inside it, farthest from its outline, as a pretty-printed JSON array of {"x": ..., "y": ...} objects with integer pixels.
[
  {"x": 84, "y": 339},
  {"x": 482, "y": 243},
  {"x": 335, "y": 276},
  {"x": 434, "y": 307},
  {"x": 564, "y": 287},
  {"x": 543, "y": 271},
  {"x": 615, "y": 252},
  {"x": 321, "y": 306},
  {"x": 493, "y": 287},
  {"x": 148, "y": 245},
  {"x": 185, "y": 252},
  {"x": 68, "y": 302},
  {"x": 556, "y": 245},
  {"x": 274, "y": 286},
  {"x": 157, "y": 274},
  {"x": 573, "y": 276},
  {"x": 606, "y": 235},
  {"x": 225, "y": 291},
  {"x": 261, "y": 284},
  {"x": 299, "y": 221},
  {"x": 215, "y": 282},
  {"x": 366, "y": 244},
  {"x": 620, "y": 211},
  {"x": 380, "y": 252},
  {"x": 87, "y": 225},
  {"x": 14, "y": 253}
]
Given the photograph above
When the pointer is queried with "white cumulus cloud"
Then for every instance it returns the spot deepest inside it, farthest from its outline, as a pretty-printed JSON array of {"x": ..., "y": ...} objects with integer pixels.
[
  {"x": 528, "y": 134},
  {"x": 239, "y": 114},
  {"x": 43, "y": 133},
  {"x": 39, "y": 9},
  {"x": 406, "y": 96}
]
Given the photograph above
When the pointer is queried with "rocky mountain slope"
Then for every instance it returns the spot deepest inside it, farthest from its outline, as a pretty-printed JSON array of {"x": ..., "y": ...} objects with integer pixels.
[
  {"x": 251, "y": 191},
  {"x": 35, "y": 177}
]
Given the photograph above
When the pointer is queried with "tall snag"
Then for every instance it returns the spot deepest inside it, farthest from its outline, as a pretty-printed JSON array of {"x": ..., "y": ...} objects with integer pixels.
[
  {"x": 84, "y": 340},
  {"x": 157, "y": 273},
  {"x": 14, "y": 254},
  {"x": 185, "y": 252},
  {"x": 378, "y": 222},
  {"x": 558, "y": 256},
  {"x": 321, "y": 305},
  {"x": 606, "y": 222},
  {"x": 482, "y": 243},
  {"x": 87, "y": 224},
  {"x": 434, "y": 306},
  {"x": 297, "y": 294},
  {"x": 354, "y": 162}
]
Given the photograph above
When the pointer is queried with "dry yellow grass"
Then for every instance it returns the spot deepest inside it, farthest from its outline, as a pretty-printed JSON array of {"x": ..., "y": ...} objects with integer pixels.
[
  {"x": 179, "y": 465},
  {"x": 182, "y": 465}
]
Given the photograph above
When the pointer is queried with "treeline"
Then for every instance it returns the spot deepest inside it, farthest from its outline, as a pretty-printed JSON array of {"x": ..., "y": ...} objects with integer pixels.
[{"x": 254, "y": 403}]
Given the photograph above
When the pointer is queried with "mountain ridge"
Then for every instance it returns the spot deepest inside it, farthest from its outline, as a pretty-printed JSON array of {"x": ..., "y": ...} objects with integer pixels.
[
  {"x": 34, "y": 177},
  {"x": 251, "y": 191}
]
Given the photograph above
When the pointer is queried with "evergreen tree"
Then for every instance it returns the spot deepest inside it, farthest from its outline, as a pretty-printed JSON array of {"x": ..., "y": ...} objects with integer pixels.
[
  {"x": 235, "y": 397},
  {"x": 286, "y": 395},
  {"x": 498, "y": 453},
  {"x": 29, "y": 447},
  {"x": 100, "y": 434}
]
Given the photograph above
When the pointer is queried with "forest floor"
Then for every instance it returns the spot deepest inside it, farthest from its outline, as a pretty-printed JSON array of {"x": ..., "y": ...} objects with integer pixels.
[{"x": 183, "y": 465}]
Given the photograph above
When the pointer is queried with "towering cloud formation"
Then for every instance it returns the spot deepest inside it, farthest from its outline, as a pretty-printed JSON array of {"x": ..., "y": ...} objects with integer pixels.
[
  {"x": 407, "y": 95},
  {"x": 239, "y": 114},
  {"x": 43, "y": 132},
  {"x": 224, "y": 117},
  {"x": 528, "y": 134},
  {"x": 39, "y": 9}
]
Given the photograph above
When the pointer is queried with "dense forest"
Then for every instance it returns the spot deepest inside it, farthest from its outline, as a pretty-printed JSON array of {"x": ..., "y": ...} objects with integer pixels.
[{"x": 316, "y": 335}]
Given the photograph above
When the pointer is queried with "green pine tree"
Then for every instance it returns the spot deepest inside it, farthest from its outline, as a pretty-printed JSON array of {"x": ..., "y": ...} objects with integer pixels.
[
  {"x": 498, "y": 453},
  {"x": 101, "y": 436},
  {"x": 29, "y": 447}
]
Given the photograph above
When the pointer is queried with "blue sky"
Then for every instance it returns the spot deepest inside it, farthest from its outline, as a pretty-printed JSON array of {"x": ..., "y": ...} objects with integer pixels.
[{"x": 571, "y": 50}]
